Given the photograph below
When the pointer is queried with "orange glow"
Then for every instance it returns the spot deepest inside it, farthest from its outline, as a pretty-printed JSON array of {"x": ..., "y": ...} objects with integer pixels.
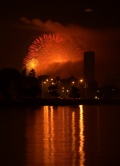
[
  {"x": 81, "y": 80},
  {"x": 50, "y": 49},
  {"x": 46, "y": 134},
  {"x": 55, "y": 135},
  {"x": 81, "y": 147},
  {"x": 49, "y": 152},
  {"x": 73, "y": 139},
  {"x": 32, "y": 64}
]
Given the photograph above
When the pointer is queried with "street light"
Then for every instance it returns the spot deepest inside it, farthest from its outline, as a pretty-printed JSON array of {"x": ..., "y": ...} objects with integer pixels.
[{"x": 81, "y": 80}]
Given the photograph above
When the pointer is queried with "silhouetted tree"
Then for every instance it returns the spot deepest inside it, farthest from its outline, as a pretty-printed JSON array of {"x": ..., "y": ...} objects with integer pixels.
[
  {"x": 53, "y": 91},
  {"x": 32, "y": 73},
  {"x": 10, "y": 83},
  {"x": 30, "y": 87},
  {"x": 109, "y": 91},
  {"x": 74, "y": 92},
  {"x": 24, "y": 72}
]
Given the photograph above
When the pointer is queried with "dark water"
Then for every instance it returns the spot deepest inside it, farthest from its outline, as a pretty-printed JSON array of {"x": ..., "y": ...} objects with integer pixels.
[{"x": 60, "y": 136}]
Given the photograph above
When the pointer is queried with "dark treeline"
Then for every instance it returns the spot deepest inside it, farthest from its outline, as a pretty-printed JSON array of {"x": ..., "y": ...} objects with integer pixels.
[{"x": 15, "y": 86}]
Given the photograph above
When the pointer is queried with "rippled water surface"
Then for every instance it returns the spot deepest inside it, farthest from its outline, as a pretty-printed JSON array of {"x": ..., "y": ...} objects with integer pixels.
[{"x": 60, "y": 136}]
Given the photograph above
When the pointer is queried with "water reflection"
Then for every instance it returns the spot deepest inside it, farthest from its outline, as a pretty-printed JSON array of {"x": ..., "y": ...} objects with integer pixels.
[
  {"x": 73, "y": 139},
  {"x": 49, "y": 147},
  {"x": 78, "y": 134},
  {"x": 60, "y": 136},
  {"x": 81, "y": 147},
  {"x": 55, "y": 136}
]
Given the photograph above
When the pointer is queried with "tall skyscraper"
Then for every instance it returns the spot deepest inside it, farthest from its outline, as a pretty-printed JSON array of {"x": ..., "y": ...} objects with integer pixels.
[{"x": 89, "y": 66}]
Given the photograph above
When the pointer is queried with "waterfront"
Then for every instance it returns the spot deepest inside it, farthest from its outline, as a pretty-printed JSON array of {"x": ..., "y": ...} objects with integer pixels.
[{"x": 84, "y": 135}]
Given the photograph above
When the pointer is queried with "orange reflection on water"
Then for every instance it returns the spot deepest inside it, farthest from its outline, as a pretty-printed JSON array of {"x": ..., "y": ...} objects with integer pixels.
[
  {"x": 81, "y": 147},
  {"x": 55, "y": 136},
  {"x": 73, "y": 139},
  {"x": 77, "y": 126},
  {"x": 49, "y": 148}
]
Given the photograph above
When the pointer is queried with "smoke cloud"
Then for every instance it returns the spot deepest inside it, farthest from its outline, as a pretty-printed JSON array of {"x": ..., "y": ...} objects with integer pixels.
[{"x": 105, "y": 43}]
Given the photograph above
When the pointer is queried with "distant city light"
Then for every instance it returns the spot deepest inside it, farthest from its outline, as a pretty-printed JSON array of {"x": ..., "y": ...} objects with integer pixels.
[
  {"x": 96, "y": 97},
  {"x": 81, "y": 80}
]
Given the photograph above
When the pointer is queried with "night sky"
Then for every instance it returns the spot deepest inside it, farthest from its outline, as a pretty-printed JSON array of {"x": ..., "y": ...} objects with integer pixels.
[{"x": 98, "y": 29}]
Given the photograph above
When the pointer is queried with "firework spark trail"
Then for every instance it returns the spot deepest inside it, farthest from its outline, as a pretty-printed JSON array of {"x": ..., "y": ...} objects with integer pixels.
[{"x": 49, "y": 49}]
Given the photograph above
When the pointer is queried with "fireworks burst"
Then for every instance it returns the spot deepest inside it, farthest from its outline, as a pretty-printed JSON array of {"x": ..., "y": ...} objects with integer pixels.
[{"x": 51, "y": 49}]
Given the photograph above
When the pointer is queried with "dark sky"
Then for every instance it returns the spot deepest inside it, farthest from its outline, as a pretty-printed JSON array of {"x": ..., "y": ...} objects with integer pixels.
[
  {"x": 104, "y": 12},
  {"x": 102, "y": 26}
]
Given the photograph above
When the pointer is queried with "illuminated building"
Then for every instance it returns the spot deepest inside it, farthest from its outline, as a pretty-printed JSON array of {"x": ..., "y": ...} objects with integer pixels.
[
  {"x": 65, "y": 86},
  {"x": 44, "y": 84}
]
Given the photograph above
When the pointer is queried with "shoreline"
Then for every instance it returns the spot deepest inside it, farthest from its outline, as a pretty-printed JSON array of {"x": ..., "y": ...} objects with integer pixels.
[{"x": 59, "y": 102}]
